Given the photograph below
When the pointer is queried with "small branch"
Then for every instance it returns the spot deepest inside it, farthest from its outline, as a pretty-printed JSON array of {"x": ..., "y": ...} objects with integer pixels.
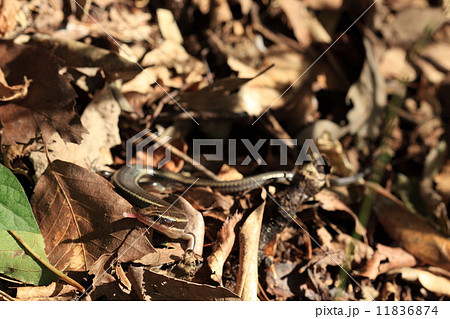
[{"x": 64, "y": 277}]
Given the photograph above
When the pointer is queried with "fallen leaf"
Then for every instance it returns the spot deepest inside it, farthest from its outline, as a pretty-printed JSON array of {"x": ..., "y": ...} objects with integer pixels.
[
  {"x": 78, "y": 54},
  {"x": 436, "y": 284},
  {"x": 280, "y": 277},
  {"x": 386, "y": 258},
  {"x": 101, "y": 118},
  {"x": 8, "y": 11},
  {"x": 247, "y": 279},
  {"x": 80, "y": 216},
  {"x": 299, "y": 18},
  {"x": 168, "y": 26},
  {"x": 49, "y": 105},
  {"x": 222, "y": 247},
  {"x": 411, "y": 232},
  {"x": 400, "y": 30},
  {"x": 152, "y": 286},
  {"x": 368, "y": 96},
  {"x": 204, "y": 199},
  {"x": 394, "y": 65},
  {"x": 56, "y": 291}
]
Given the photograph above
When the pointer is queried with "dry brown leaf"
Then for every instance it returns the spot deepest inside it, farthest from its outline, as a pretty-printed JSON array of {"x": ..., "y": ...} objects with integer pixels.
[
  {"x": 439, "y": 55},
  {"x": 393, "y": 65},
  {"x": 205, "y": 199},
  {"x": 173, "y": 56},
  {"x": 121, "y": 20},
  {"x": 247, "y": 279},
  {"x": 222, "y": 247},
  {"x": 279, "y": 279},
  {"x": 436, "y": 284},
  {"x": 368, "y": 96},
  {"x": 101, "y": 118},
  {"x": 152, "y": 286},
  {"x": 56, "y": 291},
  {"x": 50, "y": 14},
  {"x": 80, "y": 216},
  {"x": 49, "y": 104},
  {"x": 8, "y": 11},
  {"x": 125, "y": 254},
  {"x": 431, "y": 73},
  {"x": 299, "y": 19},
  {"x": 402, "y": 32},
  {"x": 78, "y": 54},
  {"x": 414, "y": 234},
  {"x": 162, "y": 256},
  {"x": 168, "y": 26},
  {"x": 104, "y": 283},
  {"x": 386, "y": 258},
  {"x": 331, "y": 202}
]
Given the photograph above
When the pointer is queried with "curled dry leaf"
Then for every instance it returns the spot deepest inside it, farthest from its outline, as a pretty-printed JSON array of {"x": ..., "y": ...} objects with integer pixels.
[
  {"x": 437, "y": 284},
  {"x": 413, "y": 233},
  {"x": 49, "y": 105},
  {"x": 152, "y": 286},
  {"x": 331, "y": 202},
  {"x": 247, "y": 280},
  {"x": 80, "y": 216},
  {"x": 56, "y": 291},
  {"x": 222, "y": 247},
  {"x": 104, "y": 282},
  {"x": 386, "y": 258}
]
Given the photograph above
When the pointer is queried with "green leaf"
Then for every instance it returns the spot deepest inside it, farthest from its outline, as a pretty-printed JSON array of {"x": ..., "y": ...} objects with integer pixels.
[
  {"x": 17, "y": 263},
  {"x": 15, "y": 210},
  {"x": 16, "y": 214}
]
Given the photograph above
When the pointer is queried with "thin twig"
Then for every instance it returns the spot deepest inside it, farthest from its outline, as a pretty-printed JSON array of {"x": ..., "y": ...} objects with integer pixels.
[{"x": 57, "y": 272}]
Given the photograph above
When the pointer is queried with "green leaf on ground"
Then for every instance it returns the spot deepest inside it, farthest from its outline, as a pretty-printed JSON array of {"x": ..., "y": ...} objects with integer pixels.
[
  {"x": 16, "y": 214},
  {"x": 15, "y": 210},
  {"x": 17, "y": 263}
]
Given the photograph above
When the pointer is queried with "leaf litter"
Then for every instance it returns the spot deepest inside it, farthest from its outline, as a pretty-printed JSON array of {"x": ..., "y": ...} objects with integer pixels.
[{"x": 70, "y": 98}]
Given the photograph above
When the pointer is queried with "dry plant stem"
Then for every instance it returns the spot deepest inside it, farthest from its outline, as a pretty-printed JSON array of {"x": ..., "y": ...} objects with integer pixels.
[
  {"x": 263, "y": 292},
  {"x": 377, "y": 173},
  {"x": 6, "y": 296},
  {"x": 64, "y": 277}
]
